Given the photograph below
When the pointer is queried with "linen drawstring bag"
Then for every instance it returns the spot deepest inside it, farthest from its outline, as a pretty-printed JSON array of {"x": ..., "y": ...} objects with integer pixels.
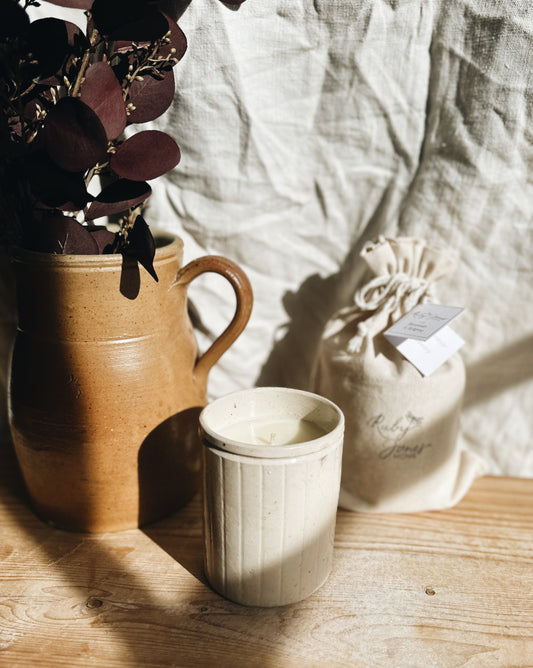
[{"x": 401, "y": 447}]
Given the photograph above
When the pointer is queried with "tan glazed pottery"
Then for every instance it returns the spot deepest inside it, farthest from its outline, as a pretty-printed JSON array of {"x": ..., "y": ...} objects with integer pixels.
[{"x": 106, "y": 384}]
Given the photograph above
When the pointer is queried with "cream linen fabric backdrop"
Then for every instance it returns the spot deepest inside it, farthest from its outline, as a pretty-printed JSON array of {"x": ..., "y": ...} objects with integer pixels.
[{"x": 310, "y": 127}]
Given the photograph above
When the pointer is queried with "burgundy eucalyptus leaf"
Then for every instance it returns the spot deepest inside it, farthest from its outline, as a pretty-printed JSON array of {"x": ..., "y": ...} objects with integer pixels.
[
  {"x": 102, "y": 92},
  {"x": 133, "y": 20},
  {"x": 105, "y": 239},
  {"x": 48, "y": 43},
  {"x": 151, "y": 97},
  {"x": 54, "y": 186},
  {"x": 62, "y": 234},
  {"x": 117, "y": 197},
  {"x": 14, "y": 22},
  {"x": 178, "y": 41},
  {"x": 108, "y": 16},
  {"x": 77, "y": 44},
  {"x": 72, "y": 4},
  {"x": 74, "y": 135},
  {"x": 152, "y": 25},
  {"x": 141, "y": 245},
  {"x": 176, "y": 47},
  {"x": 69, "y": 206},
  {"x": 145, "y": 156},
  {"x": 77, "y": 39}
]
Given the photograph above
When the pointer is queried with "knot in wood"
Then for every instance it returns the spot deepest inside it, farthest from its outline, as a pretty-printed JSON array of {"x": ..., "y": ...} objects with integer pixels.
[{"x": 93, "y": 602}]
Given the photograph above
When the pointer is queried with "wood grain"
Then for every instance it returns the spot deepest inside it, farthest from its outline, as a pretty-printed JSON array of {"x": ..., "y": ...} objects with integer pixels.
[{"x": 447, "y": 589}]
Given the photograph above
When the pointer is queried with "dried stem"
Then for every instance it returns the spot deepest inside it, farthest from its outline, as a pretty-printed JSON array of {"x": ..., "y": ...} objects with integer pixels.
[{"x": 85, "y": 63}]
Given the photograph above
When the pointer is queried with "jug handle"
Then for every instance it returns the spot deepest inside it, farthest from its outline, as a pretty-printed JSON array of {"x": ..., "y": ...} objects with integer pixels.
[{"x": 244, "y": 297}]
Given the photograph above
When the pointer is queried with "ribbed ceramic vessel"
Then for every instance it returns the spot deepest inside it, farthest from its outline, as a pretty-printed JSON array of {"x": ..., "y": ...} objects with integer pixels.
[
  {"x": 270, "y": 510},
  {"x": 106, "y": 384}
]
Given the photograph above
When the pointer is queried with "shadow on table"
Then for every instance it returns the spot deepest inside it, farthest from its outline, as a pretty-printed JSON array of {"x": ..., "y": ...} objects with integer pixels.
[
  {"x": 117, "y": 600},
  {"x": 185, "y": 546}
]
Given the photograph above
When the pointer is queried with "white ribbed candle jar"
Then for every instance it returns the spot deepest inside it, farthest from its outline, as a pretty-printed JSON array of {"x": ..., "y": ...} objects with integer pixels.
[{"x": 270, "y": 499}]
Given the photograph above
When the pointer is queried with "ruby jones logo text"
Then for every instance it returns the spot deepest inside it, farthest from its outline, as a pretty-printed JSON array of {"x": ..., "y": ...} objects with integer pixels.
[{"x": 395, "y": 432}]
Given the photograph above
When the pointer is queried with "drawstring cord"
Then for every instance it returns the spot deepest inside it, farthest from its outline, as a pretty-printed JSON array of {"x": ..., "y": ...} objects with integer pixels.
[
  {"x": 385, "y": 295},
  {"x": 391, "y": 291}
]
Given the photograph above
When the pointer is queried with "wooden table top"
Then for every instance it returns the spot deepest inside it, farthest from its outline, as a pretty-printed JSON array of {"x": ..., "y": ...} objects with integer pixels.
[{"x": 448, "y": 588}]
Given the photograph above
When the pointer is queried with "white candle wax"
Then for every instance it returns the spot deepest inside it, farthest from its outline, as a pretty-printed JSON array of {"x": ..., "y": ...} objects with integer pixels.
[{"x": 273, "y": 431}]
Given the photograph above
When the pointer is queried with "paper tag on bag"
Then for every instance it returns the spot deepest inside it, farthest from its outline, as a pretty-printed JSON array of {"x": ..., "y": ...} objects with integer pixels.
[
  {"x": 424, "y": 338},
  {"x": 423, "y": 321}
]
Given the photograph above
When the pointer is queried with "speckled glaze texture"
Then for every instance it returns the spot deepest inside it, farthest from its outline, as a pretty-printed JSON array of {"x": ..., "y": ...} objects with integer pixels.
[
  {"x": 106, "y": 385},
  {"x": 270, "y": 511}
]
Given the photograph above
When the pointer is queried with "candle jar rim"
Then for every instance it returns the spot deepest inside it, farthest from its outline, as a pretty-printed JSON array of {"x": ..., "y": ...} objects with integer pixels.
[{"x": 262, "y": 402}]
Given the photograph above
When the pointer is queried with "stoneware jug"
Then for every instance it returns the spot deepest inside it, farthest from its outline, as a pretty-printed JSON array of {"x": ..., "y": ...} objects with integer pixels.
[{"x": 106, "y": 384}]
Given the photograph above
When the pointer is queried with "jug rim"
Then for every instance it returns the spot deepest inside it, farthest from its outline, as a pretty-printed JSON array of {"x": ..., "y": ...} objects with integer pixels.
[{"x": 166, "y": 245}]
